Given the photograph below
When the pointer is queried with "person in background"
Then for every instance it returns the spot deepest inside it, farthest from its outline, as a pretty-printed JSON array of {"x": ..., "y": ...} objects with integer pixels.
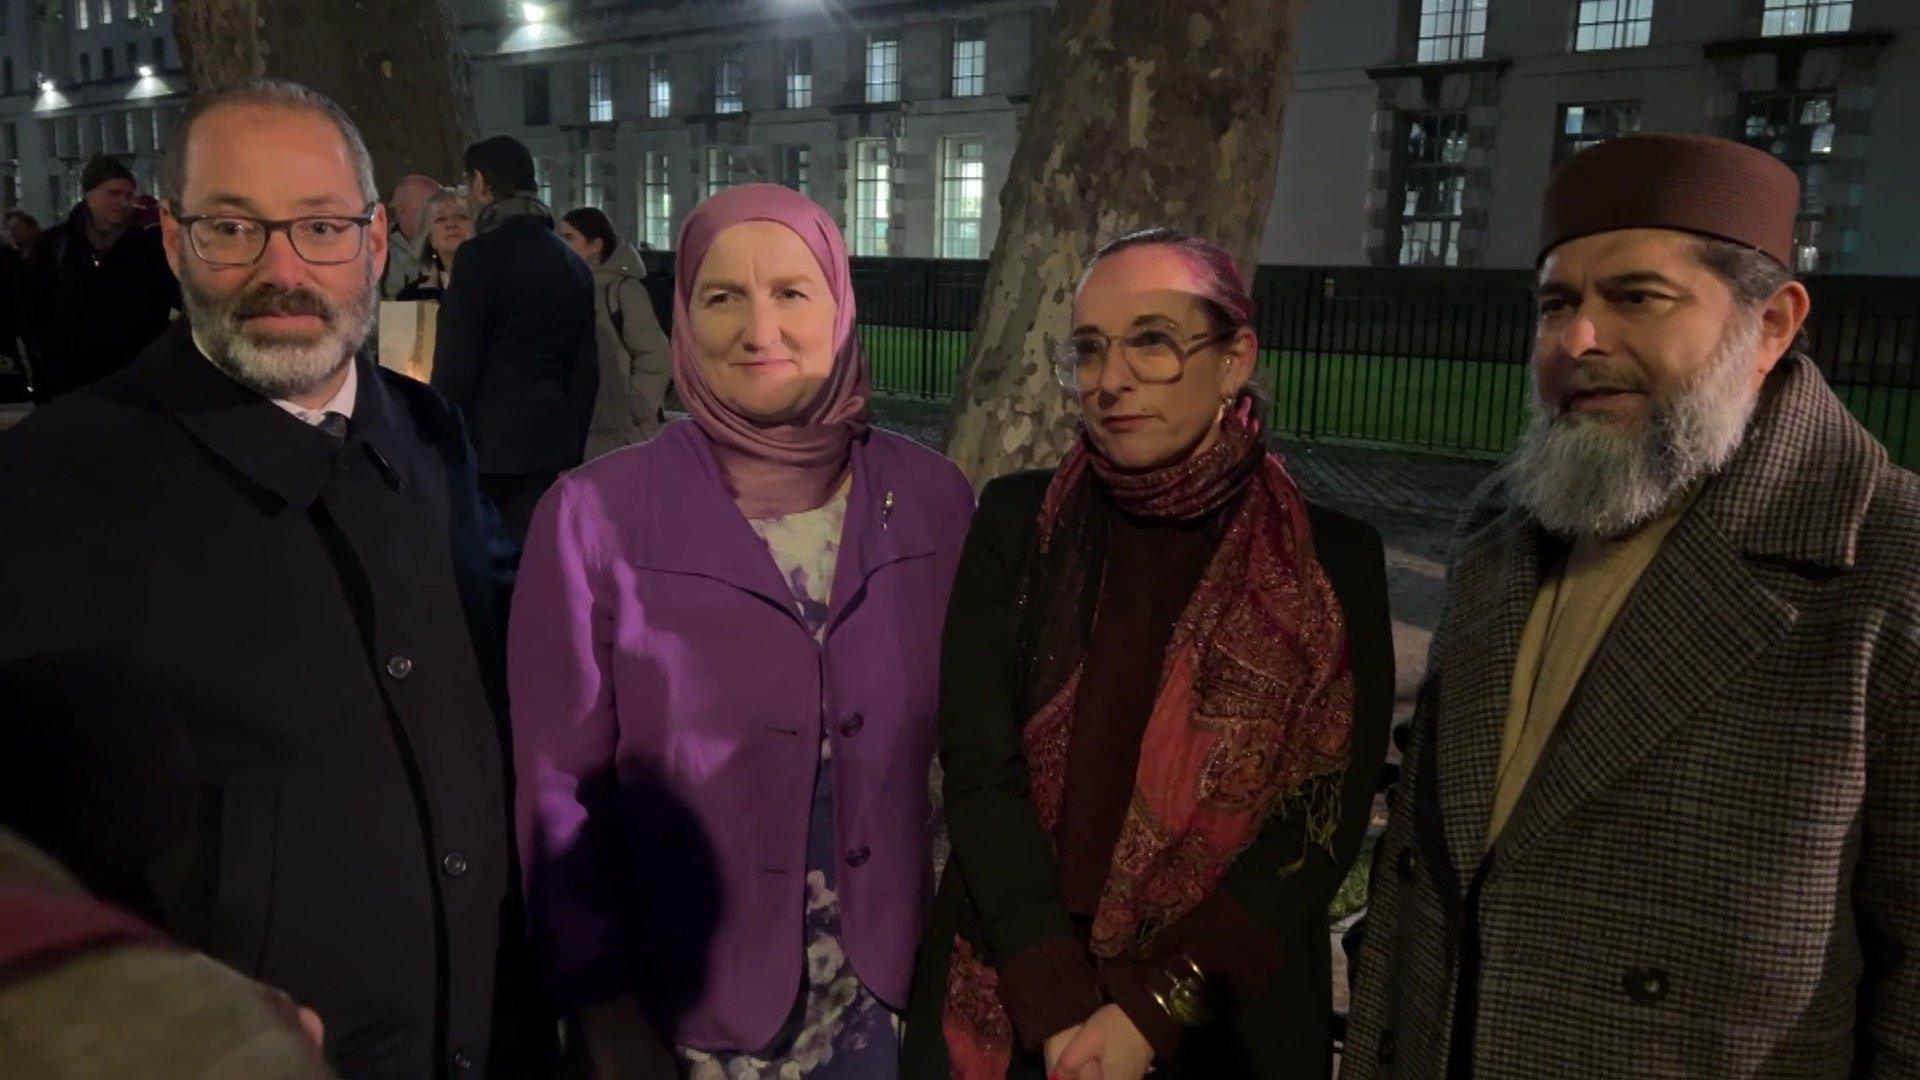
[
  {"x": 1166, "y": 681},
  {"x": 286, "y": 545},
  {"x": 1660, "y": 806},
  {"x": 514, "y": 348},
  {"x": 634, "y": 366},
  {"x": 96, "y": 289},
  {"x": 404, "y": 237},
  {"x": 445, "y": 223},
  {"x": 22, "y": 229},
  {"x": 722, "y": 659}
]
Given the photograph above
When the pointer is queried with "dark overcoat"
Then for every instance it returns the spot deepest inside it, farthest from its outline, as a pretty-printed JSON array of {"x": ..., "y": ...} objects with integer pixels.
[{"x": 324, "y": 620}]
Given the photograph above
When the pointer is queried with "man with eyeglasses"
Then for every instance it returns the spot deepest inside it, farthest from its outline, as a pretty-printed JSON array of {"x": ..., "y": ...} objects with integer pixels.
[{"x": 283, "y": 543}]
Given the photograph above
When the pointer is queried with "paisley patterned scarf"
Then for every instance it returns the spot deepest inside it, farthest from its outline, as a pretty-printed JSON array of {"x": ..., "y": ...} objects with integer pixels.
[{"x": 1252, "y": 715}]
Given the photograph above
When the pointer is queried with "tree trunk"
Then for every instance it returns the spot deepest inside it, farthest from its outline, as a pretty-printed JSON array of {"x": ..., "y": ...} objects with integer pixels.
[
  {"x": 395, "y": 65},
  {"x": 1143, "y": 114}
]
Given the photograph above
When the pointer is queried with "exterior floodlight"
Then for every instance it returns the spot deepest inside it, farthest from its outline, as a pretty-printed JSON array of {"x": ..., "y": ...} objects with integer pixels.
[
  {"x": 533, "y": 12},
  {"x": 46, "y": 86},
  {"x": 146, "y": 71}
]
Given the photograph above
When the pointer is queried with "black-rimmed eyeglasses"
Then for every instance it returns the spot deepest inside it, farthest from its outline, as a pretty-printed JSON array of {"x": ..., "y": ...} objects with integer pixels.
[{"x": 239, "y": 240}]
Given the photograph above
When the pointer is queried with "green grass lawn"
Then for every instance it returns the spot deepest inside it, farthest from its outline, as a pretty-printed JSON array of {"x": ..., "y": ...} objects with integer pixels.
[{"x": 1448, "y": 406}]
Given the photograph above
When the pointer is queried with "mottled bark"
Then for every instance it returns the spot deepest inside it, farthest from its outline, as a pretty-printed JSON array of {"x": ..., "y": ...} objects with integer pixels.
[
  {"x": 1143, "y": 114},
  {"x": 395, "y": 65}
]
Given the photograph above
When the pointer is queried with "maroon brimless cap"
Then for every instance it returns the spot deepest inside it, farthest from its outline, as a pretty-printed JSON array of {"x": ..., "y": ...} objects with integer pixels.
[{"x": 1691, "y": 183}]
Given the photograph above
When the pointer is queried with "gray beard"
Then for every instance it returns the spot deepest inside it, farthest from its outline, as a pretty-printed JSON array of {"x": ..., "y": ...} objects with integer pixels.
[
  {"x": 1586, "y": 479},
  {"x": 271, "y": 367}
]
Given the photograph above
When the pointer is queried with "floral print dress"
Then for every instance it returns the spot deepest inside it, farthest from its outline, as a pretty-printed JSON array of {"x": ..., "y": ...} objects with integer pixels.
[{"x": 838, "y": 1030}]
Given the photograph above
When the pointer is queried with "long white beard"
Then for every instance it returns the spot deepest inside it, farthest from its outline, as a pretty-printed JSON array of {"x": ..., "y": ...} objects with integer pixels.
[
  {"x": 1598, "y": 478},
  {"x": 277, "y": 367}
]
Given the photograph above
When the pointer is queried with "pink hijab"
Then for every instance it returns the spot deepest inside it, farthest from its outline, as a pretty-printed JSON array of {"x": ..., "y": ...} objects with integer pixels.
[{"x": 773, "y": 469}]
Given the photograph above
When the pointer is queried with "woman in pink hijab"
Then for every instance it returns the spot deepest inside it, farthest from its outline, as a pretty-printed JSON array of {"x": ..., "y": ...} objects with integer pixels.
[{"x": 723, "y": 662}]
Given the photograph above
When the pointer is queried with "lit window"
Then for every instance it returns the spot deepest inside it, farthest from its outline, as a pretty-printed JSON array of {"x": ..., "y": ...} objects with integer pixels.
[
  {"x": 543, "y": 180},
  {"x": 726, "y": 82},
  {"x": 1783, "y": 18},
  {"x": 82, "y": 18},
  {"x": 1592, "y": 123},
  {"x": 799, "y": 74},
  {"x": 659, "y": 88},
  {"x": 1612, "y": 24},
  {"x": 1798, "y": 128},
  {"x": 883, "y": 69},
  {"x": 590, "y": 187},
  {"x": 599, "y": 92},
  {"x": 656, "y": 201},
  {"x": 719, "y": 170},
  {"x": 1431, "y": 166},
  {"x": 872, "y": 197},
  {"x": 796, "y": 168},
  {"x": 106, "y": 12},
  {"x": 1452, "y": 30},
  {"x": 969, "y": 59},
  {"x": 963, "y": 196}
]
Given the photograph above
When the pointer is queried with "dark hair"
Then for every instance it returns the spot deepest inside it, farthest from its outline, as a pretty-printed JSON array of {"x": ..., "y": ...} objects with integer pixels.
[
  {"x": 270, "y": 93},
  {"x": 1222, "y": 285},
  {"x": 1751, "y": 275},
  {"x": 504, "y": 162},
  {"x": 21, "y": 215},
  {"x": 594, "y": 224}
]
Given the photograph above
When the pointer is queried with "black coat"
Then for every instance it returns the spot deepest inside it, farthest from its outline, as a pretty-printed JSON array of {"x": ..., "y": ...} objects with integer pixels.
[
  {"x": 324, "y": 619},
  {"x": 1282, "y": 1033},
  {"x": 85, "y": 316},
  {"x": 516, "y": 349}
]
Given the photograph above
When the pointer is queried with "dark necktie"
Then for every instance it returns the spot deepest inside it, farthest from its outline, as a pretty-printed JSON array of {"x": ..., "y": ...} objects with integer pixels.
[{"x": 334, "y": 424}]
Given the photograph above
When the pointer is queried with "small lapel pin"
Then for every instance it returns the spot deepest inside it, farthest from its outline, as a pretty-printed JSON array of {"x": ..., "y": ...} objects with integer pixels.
[{"x": 886, "y": 509}]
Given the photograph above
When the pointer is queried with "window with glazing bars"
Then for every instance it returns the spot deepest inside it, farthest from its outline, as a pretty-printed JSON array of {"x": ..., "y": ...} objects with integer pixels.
[
  {"x": 599, "y": 92},
  {"x": 659, "y": 88},
  {"x": 796, "y": 168},
  {"x": 969, "y": 58},
  {"x": 1431, "y": 176},
  {"x": 590, "y": 188},
  {"x": 726, "y": 81},
  {"x": 106, "y": 12},
  {"x": 799, "y": 63},
  {"x": 1612, "y": 24},
  {"x": 1452, "y": 30},
  {"x": 963, "y": 196},
  {"x": 1783, "y": 18},
  {"x": 536, "y": 100},
  {"x": 872, "y": 197},
  {"x": 719, "y": 170},
  {"x": 1590, "y": 123},
  {"x": 1798, "y": 128},
  {"x": 82, "y": 18},
  {"x": 883, "y": 68},
  {"x": 656, "y": 201}
]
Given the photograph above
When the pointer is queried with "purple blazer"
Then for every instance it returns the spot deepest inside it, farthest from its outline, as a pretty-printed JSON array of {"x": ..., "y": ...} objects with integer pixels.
[{"x": 667, "y": 711}]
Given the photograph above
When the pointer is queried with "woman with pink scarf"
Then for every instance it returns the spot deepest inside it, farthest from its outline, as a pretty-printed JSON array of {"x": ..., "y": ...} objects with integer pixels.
[{"x": 723, "y": 661}]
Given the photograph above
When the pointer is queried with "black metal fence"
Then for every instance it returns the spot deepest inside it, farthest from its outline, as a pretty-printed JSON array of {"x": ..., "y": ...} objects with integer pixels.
[{"x": 1433, "y": 359}]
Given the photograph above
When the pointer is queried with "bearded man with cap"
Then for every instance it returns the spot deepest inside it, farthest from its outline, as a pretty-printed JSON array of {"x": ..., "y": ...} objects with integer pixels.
[
  {"x": 96, "y": 289},
  {"x": 1660, "y": 807}
]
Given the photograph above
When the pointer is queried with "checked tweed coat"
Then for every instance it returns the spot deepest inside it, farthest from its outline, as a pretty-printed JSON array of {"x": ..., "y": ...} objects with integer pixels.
[{"x": 1715, "y": 870}]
